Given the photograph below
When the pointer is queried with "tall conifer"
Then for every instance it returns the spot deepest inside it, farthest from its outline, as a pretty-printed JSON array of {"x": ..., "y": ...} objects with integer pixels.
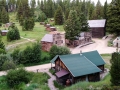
[{"x": 113, "y": 17}]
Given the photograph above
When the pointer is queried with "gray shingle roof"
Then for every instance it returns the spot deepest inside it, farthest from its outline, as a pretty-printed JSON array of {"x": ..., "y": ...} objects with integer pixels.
[
  {"x": 4, "y": 30},
  {"x": 97, "y": 23},
  {"x": 48, "y": 38}
]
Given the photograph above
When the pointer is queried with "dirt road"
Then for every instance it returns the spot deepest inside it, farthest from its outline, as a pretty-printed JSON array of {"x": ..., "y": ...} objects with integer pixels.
[{"x": 100, "y": 45}]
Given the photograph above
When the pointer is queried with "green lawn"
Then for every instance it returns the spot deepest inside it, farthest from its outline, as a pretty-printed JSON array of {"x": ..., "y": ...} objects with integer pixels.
[{"x": 107, "y": 58}]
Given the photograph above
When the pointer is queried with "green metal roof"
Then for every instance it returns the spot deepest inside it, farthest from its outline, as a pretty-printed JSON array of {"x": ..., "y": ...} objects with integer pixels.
[
  {"x": 81, "y": 64},
  {"x": 52, "y": 61},
  {"x": 94, "y": 57}
]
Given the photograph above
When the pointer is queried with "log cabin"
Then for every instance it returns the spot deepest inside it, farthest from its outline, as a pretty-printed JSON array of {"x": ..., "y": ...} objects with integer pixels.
[
  {"x": 85, "y": 66},
  {"x": 4, "y": 32},
  {"x": 97, "y": 28},
  {"x": 52, "y": 39}
]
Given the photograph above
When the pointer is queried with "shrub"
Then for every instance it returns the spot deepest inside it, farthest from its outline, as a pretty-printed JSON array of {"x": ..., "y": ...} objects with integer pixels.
[
  {"x": 59, "y": 50},
  {"x": 52, "y": 71},
  {"x": 3, "y": 58},
  {"x": 13, "y": 33},
  {"x": 2, "y": 51},
  {"x": 41, "y": 17},
  {"x": 9, "y": 64},
  {"x": 16, "y": 56},
  {"x": 57, "y": 85},
  {"x": 17, "y": 76}
]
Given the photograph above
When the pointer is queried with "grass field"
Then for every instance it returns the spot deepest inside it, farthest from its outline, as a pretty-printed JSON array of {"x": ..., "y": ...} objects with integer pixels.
[{"x": 36, "y": 34}]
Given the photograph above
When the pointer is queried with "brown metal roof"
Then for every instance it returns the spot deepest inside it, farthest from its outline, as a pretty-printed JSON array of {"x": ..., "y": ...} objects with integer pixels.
[{"x": 61, "y": 73}]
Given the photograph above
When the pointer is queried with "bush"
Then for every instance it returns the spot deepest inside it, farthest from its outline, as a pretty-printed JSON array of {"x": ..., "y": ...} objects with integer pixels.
[
  {"x": 52, "y": 71},
  {"x": 57, "y": 85},
  {"x": 18, "y": 76},
  {"x": 3, "y": 58},
  {"x": 41, "y": 17},
  {"x": 59, "y": 50},
  {"x": 13, "y": 33},
  {"x": 28, "y": 55},
  {"x": 2, "y": 51},
  {"x": 9, "y": 64},
  {"x": 16, "y": 56}
]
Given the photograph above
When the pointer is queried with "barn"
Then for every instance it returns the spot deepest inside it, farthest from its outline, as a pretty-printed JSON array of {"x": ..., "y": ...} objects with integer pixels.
[
  {"x": 97, "y": 28},
  {"x": 85, "y": 66}
]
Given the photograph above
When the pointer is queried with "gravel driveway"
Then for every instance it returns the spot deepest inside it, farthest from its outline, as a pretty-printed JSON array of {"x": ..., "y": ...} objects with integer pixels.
[{"x": 100, "y": 45}]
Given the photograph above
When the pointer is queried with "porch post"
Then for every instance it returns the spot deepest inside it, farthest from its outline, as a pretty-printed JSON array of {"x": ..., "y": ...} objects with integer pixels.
[{"x": 51, "y": 65}]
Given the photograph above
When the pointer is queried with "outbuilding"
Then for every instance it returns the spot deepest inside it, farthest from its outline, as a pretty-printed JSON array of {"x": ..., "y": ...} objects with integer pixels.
[
  {"x": 97, "y": 28},
  {"x": 52, "y": 39},
  {"x": 4, "y": 32}
]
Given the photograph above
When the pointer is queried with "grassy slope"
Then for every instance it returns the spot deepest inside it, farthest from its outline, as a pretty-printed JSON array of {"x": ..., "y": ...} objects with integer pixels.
[{"x": 38, "y": 82}]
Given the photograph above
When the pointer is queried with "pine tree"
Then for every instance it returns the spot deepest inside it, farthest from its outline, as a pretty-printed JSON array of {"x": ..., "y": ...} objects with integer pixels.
[
  {"x": 58, "y": 17},
  {"x": 33, "y": 3},
  {"x": 28, "y": 24},
  {"x": 113, "y": 17},
  {"x": 99, "y": 10},
  {"x": 91, "y": 11},
  {"x": 83, "y": 23},
  {"x": 4, "y": 16},
  {"x": 105, "y": 10},
  {"x": 20, "y": 13},
  {"x": 115, "y": 69},
  {"x": 83, "y": 7},
  {"x": 72, "y": 26},
  {"x": 11, "y": 5}
]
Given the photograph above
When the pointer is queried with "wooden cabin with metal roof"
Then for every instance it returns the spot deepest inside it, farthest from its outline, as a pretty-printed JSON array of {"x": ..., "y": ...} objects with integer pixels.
[
  {"x": 97, "y": 28},
  {"x": 78, "y": 67}
]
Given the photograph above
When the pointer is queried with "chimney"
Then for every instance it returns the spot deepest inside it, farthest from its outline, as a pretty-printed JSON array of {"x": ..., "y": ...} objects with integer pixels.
[{"x": 80, "y": 52}]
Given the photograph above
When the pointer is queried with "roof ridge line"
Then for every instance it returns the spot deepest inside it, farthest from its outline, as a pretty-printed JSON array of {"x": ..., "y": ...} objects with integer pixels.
[{"x": 92, "y": 63}]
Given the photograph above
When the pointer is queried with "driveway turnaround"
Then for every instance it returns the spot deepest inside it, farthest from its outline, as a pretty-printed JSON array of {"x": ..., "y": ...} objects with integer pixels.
[{"x": 100, "y": 45}]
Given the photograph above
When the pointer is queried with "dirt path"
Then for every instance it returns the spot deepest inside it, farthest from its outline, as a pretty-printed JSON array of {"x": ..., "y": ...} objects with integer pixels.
[{"x": 20, "y": 43}]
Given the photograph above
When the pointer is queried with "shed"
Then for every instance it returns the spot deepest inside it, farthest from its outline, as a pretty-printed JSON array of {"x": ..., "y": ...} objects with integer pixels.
[
  {"x": 97, "y": 28},
  {"x": 4, "y": 32},
  {"x": 78, "y": 67},
  {"x": 116, "y": 42},
  {"x": 52, "y": 39}
]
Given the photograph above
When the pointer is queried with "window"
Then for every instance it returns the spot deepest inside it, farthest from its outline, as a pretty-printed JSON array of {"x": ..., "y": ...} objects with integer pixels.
[
  {"x": 55, "y": 42},
  {"x": 61, "y": 41}
]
